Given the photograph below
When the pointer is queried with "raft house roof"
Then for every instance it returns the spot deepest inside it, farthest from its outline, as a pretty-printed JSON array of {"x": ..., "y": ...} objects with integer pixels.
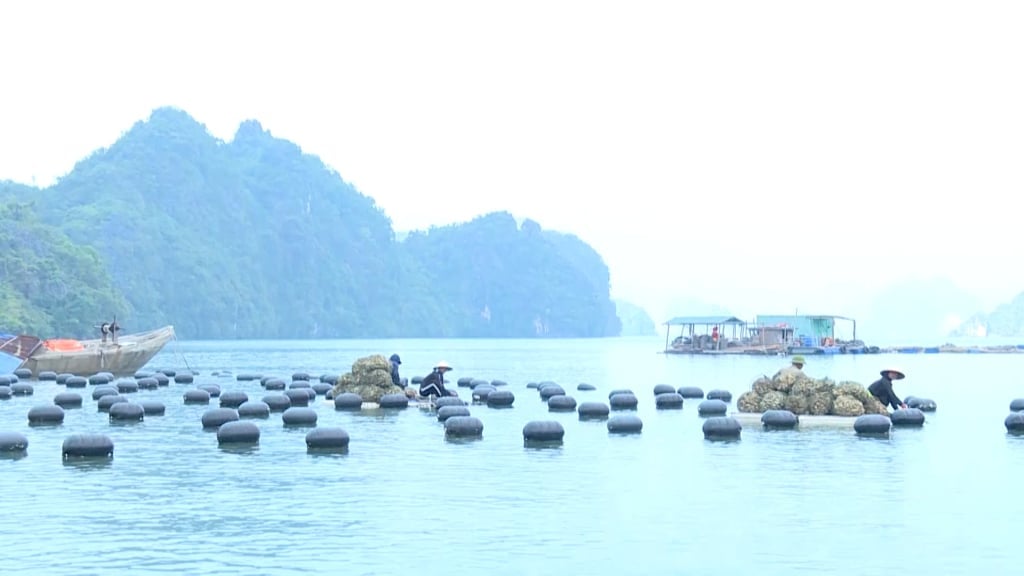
[{"x": 705, "y": 321}]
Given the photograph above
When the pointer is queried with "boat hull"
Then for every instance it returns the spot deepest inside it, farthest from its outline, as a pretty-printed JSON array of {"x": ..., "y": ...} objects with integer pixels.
[{"x": 131, "y": 353}]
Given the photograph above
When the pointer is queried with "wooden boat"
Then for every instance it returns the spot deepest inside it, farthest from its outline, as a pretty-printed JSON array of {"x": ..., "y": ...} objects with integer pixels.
[{"x": 87, "y": 357}]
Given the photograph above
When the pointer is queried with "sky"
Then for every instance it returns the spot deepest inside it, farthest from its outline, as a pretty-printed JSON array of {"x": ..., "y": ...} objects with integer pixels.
[{"x": 762, "y": 156}]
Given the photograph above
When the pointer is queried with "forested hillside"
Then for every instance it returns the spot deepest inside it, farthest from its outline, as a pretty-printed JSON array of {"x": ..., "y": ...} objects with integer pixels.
[{"x": 252, "y": 238}]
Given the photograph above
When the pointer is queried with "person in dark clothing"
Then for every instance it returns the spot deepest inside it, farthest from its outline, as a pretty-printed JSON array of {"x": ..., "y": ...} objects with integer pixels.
[
  {"x": 882, "y": 389},
  {"x": 396, "y": 361},
  {"x": 433, "y": 384}
]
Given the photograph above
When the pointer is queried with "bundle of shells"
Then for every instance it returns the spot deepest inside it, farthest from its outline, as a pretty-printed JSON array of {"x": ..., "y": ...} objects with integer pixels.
[{"x": 793, "y": 390}]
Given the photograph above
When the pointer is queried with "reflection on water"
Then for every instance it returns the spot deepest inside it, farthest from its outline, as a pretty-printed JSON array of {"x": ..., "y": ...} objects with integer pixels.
[{"x": 662, "y": 502}]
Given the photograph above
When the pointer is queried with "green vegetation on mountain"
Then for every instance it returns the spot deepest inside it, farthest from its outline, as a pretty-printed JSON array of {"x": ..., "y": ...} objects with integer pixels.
[
  {"x": 635, "y": 320},
  {"x": 252, "y": 238},
  {"x": 48, "y": 285}
]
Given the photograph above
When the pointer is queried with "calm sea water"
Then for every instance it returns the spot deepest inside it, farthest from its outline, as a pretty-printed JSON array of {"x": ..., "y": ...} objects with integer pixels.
[{"x": 939, "y": 500}]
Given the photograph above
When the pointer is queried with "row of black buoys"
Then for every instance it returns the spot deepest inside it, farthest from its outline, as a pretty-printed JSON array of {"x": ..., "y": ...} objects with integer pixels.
[
  {"x": 721, "y": 428},
  {"x": 668, "y": 401},
  {"x": 625, "y": 424},
  {"x": 87, "y": 446},
  {"x": 779, "y": 420},
  {"x": 543, "y": 431},
  {"x": 45, "y": 414},
  {"x": 1014, "y": 423},
  {"x": 463, "y": 427},
  {"x": 12, "y": 442},
  {"x": 712, "y": 408},
  {"x": 502, "y": 398},
  {"x": 561, "y": 403},
  {"x": 872, "y": 425}
]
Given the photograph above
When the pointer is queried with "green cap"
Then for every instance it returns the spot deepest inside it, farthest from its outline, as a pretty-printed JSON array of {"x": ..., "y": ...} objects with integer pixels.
[{"x": 799, "y": 360}]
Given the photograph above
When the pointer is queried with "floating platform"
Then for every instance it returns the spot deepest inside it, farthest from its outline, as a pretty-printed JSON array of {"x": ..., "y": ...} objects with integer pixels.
[{"x": 753, "y": 420}]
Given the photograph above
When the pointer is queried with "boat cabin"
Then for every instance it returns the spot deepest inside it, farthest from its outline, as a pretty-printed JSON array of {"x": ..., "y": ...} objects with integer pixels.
[
  {"x": 703, "y": 334},
  {"x": 807, "y": 334}
]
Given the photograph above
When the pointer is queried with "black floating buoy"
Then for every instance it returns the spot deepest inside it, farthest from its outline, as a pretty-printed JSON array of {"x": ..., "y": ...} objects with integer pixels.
[
  {"x": 394, "y": 401},
  {"x": 586, "y": 387},
  {"x": 463, "y": 427},
  {"x": 1017, "y": 405},
  {"x": 663, "y": 389},
  {"x": 23, "y": 373},
  {"x": 348, "y": 401},
  {"x": 104, "y": 403},
  {"x": 181, "y": 378},
  {"x": 446, "y": 412},
  {"x": 5, "y": 392},
  {"x": 543, "y": 431},
  {"x": 62, "y": 378},
  {"x": 127, "y": 386},
  {"x": 478, "y": 382},
  {"x": 299, "y": 416},
  {"x": 721, "y": 428},
  {"x": 280, "y": 402},
  {"x": 196, "y": 396},
  {"x": 625, "y": 424},
  {"x": 449, "y": 401},
  {"x": 1014, "y": 423},
  {"x": 253, "y": 409},
  {"x": 533, "y": 385},
  {"x": 550, "y": 390},
  {"x": 7, "y": 379},
  {"x": 148, "y": 383},
  {"x": 22, "y": 389},
  {"x": 907, "y": 418},
  {"x": 321, "y": 388},
  {"x": 87, "y": 446},
  {"x": 779, "y": 420},
  {"x": 311, "y": 393},
  {"x": 45, "y": 414},
  {"x": 327, "y": 439},
  {"x": 500, "y": 398},
  {"x": 300, "y": 377},
  {"x": 142, "y": 374},
  {"x": 481, "y": 392},
  {"x": 238, "y": 432},
  {"x": 922, "y": 404},
  {"x": 213, "y": 389},
  {"x": 299, "y": 384},
  {"x": 691, "y": 392},
  {"x": 47, "y": 375},
  {"x": 101, "y": 391},
  {"x": 297, "y": 397},
  {"x": 247, "y": 377},
  {"x": 153, "y": 407},
  {"x": 169, "y": 373},
  {"x": 75, "y": 382},
  {"x": 718, "y": 394},
  {"x": 233, "y": 399},
  {"x": 619, "y": 391},
  {"x": 68, "y": 400},
  {"x": 417, "y": 380},
  {"x": 162, "y": 379},
  {"x": 712, "y": 408},
  {"x": 592, "y": 411},
  {"x": 13, "y": 442},
  {"x": 561, "y": 403},
  {"x": 623, "y": 401},
  {"x": 127, "y": 412},
  {"x": 217, "y": 417},
  {"x": 464, "y": 382},
  {"x": 498, "y": 383},
  {"x": 668, "y": 401},
  {"x": 274, "y": 384},
  {"x": 872, "y": 425}
]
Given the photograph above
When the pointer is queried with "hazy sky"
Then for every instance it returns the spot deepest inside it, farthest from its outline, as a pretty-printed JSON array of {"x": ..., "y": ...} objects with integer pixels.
[{"x": 753, "y": 154}]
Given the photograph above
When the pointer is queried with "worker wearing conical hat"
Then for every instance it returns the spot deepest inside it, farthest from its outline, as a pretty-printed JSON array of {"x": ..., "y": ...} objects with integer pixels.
[
  {"x": 882, "y": 388},
  {"x": 433, "y": 384}
]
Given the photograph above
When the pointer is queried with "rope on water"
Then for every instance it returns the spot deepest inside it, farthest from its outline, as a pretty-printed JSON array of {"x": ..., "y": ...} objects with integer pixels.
[{"x": 178, "y": 352}]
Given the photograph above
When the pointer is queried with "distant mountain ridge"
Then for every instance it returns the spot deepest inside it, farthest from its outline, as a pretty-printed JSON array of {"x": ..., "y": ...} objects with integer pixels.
[{"x": 254, "y": 238}]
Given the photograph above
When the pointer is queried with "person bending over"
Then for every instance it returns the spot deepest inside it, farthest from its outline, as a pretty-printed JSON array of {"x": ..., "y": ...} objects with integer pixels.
[
  {"x": 882, "y": 389},
  {"x": 433, "y": 384}
]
